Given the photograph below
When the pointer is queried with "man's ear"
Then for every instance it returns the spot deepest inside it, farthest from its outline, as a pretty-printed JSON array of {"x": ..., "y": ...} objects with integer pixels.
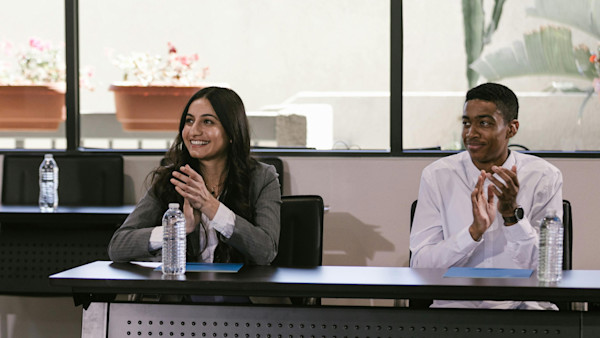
[{"x": 513, "y": 128}]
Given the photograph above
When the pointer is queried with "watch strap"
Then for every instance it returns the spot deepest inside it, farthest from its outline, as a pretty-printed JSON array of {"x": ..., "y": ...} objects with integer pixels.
[{"x": 518, "y": 215}]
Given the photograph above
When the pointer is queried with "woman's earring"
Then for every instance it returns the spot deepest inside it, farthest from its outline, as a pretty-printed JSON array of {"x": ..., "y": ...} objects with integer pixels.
[{"x": 230, "y": 141}]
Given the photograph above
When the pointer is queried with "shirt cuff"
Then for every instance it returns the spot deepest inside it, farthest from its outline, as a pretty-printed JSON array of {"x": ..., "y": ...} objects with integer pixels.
[
  {"x": 224, "y": 221},
  {"x": 465, "y": 242},
  {"x": 156, "y": 238},
  {"x": 519, "y": 231}
]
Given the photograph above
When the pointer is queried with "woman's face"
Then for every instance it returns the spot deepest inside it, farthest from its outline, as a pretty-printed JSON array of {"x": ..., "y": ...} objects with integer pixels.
[{"x": 203, "y": 134}]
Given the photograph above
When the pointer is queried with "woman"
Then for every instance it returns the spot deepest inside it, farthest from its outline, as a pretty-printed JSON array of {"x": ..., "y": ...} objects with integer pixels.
[{"x": 230, "y": 201}]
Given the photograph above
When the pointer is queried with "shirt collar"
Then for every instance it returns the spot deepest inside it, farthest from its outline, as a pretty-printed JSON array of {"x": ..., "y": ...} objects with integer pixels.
[{"x": 472, "y": 172}]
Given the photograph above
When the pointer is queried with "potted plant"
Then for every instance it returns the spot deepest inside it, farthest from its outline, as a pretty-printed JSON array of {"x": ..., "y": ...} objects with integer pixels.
[
  {"x": 32, "y": 87},
  {"x": 550, "y": 49},
  {"x": 154, "y": 90}
]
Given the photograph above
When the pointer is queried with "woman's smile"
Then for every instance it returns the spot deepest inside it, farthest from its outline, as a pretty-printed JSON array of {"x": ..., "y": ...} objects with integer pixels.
[{"x": 203, "y": 133}]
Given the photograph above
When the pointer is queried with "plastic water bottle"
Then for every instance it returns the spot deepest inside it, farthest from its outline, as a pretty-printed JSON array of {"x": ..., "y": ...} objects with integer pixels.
[
  {"x": 48, "y": 200},
  {"x": 551, "y": 248},
  {"x": 174, "y": 242}
]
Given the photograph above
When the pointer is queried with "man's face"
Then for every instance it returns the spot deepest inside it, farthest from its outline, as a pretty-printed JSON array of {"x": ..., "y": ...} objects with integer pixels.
[{"x": 485, "y": 134}]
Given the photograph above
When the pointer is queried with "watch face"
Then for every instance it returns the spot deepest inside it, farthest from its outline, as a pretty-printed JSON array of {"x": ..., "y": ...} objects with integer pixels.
[{"x": 519, "y": 213}]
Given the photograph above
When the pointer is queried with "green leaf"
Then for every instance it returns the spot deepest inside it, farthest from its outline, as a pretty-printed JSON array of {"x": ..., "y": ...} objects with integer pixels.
[
  {"x": 581, "y": 14},
  {"x": 473, "y": 19},
  {"x": 496, "y": 14},
  {"x": 548, "y": 51}
]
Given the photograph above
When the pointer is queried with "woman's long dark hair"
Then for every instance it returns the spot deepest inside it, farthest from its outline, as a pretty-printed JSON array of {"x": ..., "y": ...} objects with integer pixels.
[{"x": 236, "y": 193}]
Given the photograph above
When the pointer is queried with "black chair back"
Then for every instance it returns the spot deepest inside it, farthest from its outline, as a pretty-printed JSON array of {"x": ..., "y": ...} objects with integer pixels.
[
  {"x": 568, "y": 236},
  {"x": 413, "y": 208},
  {"x": 83, "y": 180},
  {"x": 301, "y": 236},
  {"x": 278, "y": 164}
]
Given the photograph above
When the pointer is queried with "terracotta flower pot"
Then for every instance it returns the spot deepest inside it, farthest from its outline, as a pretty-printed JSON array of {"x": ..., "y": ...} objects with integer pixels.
[
  {"x": 151, "y": 107},
  {"x": 31, "y": 107}
]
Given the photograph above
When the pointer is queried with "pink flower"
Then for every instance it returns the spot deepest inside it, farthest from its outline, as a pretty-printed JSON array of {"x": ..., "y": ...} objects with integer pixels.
[
  {"x": 38, "y": 44},
  {"x": 183, "y": 60},
  {"x": 172, "y": 49},
  {"x": 176, "y": 69}
]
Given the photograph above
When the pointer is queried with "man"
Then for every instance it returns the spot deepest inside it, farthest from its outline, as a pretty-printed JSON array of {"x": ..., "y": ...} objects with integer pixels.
[{"x": 482, "y": 207}]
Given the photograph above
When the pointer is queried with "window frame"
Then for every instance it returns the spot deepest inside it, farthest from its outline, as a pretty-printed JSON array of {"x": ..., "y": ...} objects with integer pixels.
[{"x": 73, "y": 132}]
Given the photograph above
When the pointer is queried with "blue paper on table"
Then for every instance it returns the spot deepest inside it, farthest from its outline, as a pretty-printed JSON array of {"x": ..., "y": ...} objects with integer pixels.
[
  {"x": 487, "y": 273},
  {"x": 209, "y": 267}
]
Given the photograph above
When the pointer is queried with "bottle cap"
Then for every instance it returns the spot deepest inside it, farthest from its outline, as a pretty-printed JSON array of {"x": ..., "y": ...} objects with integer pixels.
[
  {"x": 173, "y": 205},
  {"x": 551, "y": 212},
  {"x": 48, "y": 156}
]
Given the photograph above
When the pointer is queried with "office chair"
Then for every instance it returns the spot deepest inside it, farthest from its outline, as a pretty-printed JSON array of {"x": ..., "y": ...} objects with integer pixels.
[
  {"x": 568, "y": 236},
  {"x": 567, "y": 248},
  {"x": 301, "y": 236},
  {"x": 278, "y": 164},
  {"x": 416, "y": 303},
  {"x": 567, "y": 253},
  {"x": 520, "y": 146}
]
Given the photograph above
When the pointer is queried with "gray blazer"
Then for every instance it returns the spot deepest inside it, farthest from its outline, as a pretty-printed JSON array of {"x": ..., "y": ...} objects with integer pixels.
[{"x": 257, "y": 242}]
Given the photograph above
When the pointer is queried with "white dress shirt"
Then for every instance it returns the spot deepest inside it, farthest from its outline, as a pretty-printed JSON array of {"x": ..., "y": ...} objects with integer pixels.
[
  {"x": 223, "y": 222},
  {"x": 440, "y": 236}
]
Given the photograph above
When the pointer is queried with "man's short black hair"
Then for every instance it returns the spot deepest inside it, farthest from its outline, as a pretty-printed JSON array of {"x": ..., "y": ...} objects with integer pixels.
[{"x": 504, "y": 98}]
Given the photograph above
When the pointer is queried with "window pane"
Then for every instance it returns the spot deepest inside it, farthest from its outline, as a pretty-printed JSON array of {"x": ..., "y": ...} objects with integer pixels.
[
  {"x": 435, "y": 65},
  {"x": 32, "y": 69},
  {"x": 311, "y": 73}
]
